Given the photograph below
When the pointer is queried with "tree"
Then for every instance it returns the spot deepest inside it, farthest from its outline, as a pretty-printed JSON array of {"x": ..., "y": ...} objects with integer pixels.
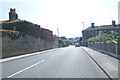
[{"x": 63, "y": 38}]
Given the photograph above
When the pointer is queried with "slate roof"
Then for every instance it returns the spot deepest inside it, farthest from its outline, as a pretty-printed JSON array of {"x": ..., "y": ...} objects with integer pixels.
[{"x": 102, "y": 27}]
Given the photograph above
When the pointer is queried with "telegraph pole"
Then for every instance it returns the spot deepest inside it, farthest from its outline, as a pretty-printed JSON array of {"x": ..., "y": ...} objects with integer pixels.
[
  {"x": 83, "y": 25},
  {"x": 58, "y": 37},
  {"x": 58, "y": 32}
]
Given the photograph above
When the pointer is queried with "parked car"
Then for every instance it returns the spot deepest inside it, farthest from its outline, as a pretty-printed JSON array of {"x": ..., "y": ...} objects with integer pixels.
[{"x": 77, "y": 45}]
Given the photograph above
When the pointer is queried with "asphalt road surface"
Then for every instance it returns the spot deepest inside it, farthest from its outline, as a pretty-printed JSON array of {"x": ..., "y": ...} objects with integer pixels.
[{"x": 69, "y": 62}]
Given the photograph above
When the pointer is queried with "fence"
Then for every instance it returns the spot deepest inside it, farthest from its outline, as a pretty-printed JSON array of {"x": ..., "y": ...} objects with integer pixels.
[{"x": 110, "y": 48}]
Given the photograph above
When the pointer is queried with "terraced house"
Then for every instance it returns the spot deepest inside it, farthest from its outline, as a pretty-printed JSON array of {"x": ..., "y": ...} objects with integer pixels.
[{"x": 98, "y": 30}]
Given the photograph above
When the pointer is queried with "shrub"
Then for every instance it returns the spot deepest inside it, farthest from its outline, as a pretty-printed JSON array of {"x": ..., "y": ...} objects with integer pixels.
[{"x": 106, "y": 37}]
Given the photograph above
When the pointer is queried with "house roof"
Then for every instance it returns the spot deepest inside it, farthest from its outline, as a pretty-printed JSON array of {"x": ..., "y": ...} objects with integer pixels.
[{"x": 102, "y": 27}]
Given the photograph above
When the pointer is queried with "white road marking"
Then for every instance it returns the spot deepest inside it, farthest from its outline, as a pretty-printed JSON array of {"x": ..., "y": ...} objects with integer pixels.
[
  {"x": 29, "y": 67},
  {"x": 56, "y": 54},
  {"x": 25, "y": 69}
]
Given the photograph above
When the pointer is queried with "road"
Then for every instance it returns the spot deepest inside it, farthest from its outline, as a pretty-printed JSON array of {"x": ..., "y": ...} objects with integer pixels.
[{"x": 69, "y": 62}]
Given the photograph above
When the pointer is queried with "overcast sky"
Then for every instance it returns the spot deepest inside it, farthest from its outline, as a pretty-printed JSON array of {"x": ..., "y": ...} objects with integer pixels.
[{"x": 66, "y": 15}]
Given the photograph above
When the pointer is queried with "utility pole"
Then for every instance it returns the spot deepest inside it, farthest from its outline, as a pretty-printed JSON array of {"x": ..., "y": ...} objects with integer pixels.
[
  {"x": 83, "y": 25},
  {"x": 59, "y": 45},
  {"x": 58, "y": 32}
]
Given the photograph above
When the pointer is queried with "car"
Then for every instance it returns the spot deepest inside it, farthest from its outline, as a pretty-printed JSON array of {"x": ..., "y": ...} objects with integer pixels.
[{"x": 77, "y": 45}]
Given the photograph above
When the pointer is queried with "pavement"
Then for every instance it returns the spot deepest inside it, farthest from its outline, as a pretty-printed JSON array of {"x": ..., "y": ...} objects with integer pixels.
[{"x": 107, "y": 63}]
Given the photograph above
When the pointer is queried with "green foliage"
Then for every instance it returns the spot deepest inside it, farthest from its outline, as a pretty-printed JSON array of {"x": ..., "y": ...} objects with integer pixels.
[
  {"x": 63, "y": 38},
  {"x": 92, "y": 39},
  {"x": 65, "y": 41},
  {"x": 106, "y": 37}
]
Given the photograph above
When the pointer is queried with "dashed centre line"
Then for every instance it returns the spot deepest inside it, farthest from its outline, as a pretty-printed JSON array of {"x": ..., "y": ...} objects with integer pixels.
[
  {"x": 54, "y": 55},
  {"x": 25, "y": 69},
  {"x": 29, "y": 67}
]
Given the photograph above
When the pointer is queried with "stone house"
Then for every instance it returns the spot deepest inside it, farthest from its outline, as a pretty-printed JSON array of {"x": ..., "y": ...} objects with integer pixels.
[{"x": 97, "y": 30}]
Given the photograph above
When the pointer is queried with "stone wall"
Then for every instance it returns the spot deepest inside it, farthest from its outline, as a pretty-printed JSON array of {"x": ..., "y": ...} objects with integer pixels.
[
  {"x": 110, "y": 48},
  {"x": 24, "y": 45},
  {"x": 26, "y": 38}
]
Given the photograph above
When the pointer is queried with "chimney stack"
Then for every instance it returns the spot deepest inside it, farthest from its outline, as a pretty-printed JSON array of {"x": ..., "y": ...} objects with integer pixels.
[
  {"x": 12, "y": 14},
  {"x": 92, "y": 25},
  {"x": 113, "y": 23}
]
